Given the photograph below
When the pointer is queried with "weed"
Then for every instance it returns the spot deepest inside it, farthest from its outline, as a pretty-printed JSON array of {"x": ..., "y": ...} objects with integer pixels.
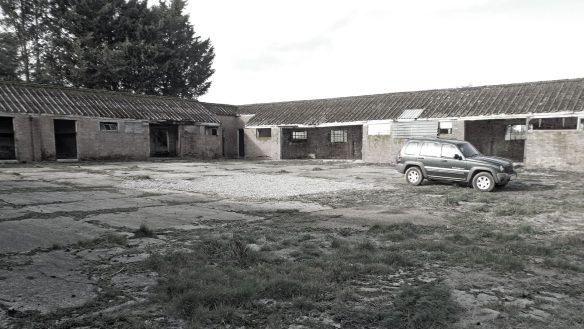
[
  {"x": 338, "y": 243},
  {"x": 506, "y": 237},
  {"x": 458, "y": 238},
  {"x": 526, "y": 229},
  {"x": 106, "y": 240},
  {"x": 563, "y": 264},
  {"x": 425, "y": 306},
  {"x": 366, "y": 245},
  {"x": 516, "y": 210},
  {"x": 346, "y": 231},
  {"x": 393, "y": 258},
  {"x": 241, "y": 253},
  {"x": 144, "y": 232},
  {"x": 502, "y": 259},
  {"x": 396, "y": 232},
  {"x": 305, "y": 237}
]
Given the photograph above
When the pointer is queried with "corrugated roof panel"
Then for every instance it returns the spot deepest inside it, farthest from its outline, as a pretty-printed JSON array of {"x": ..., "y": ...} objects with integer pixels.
[
  {"x": 522, "y": 98},
  {"x": 411, "y": 114},
  {"x": 41, "y": 99}
]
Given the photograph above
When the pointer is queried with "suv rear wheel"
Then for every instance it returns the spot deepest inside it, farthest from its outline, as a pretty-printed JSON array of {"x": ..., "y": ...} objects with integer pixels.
[
  {"x": 483, "y": 182},
  {"x": 414, "y": 176}
]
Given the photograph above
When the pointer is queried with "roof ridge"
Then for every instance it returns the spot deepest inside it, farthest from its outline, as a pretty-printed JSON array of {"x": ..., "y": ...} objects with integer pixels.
[
  {"x": 93, "y": 91},
  {"x": 417, "y": 91}
]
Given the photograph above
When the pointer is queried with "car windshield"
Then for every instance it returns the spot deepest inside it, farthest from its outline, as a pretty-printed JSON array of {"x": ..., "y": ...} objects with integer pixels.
[{"x": 468, "y": 150}]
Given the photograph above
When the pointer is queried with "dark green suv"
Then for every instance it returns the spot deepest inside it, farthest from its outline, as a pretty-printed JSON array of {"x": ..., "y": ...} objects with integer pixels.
[{"x": 453, "y": 160}]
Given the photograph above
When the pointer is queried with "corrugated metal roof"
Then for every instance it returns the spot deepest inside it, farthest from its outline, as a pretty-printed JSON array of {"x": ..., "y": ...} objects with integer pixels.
[
  {"x": 221, "y": 109},
  {"x": 411, "y": 114},
  {"x": 42, "y": 99},
  {"x": 511, "y": 99}
]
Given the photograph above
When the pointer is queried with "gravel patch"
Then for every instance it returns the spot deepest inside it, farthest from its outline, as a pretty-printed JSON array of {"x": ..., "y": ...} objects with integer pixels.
[{"x": 247, "y": 185}]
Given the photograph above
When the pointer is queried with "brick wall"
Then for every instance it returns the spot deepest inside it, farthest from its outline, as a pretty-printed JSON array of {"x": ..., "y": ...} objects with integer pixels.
[
  {"x": 34, "y": 138},
  {"x": 130, "y": 142},
  {"x": 318, "y": 144},
  {"x": 262, "y": 147},
  {"x": 560, "y": 149},
  {"x": 197, "y": 142}
]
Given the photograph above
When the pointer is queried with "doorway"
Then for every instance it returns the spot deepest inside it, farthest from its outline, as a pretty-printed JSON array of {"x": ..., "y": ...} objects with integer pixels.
[
  {"x": 65, "y": 139},
  {"x": 7, "y": 146},
  {"x": 163, "y": 140},
  {"x": 240, "y": 140}
]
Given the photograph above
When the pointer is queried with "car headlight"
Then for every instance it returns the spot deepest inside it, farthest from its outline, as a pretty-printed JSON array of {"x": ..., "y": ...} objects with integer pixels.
[{"x": 502, "y": 168}]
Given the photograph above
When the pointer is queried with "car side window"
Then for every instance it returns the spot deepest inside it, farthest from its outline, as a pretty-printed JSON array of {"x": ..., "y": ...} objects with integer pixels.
[
  {"x": 449, "y": 150},
  {"x": 431, "y": 149},
  {"x": 412, "y": 148}
]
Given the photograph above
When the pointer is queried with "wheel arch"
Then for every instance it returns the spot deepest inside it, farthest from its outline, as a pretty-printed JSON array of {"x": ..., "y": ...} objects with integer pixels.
[{"x": 416, "y": 164}]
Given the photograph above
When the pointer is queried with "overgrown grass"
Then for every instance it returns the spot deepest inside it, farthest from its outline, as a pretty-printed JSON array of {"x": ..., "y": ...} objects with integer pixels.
[
  {"x": 219, "y": 281},
  {"x": 396, "y": 232},
  {"x": 106, "y": 240}
]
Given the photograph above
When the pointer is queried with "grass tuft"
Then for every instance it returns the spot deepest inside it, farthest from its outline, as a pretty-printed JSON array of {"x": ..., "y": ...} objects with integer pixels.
[{"x": 144, "y": 232}]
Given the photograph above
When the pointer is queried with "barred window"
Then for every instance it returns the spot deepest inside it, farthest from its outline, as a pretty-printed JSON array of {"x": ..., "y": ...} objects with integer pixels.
[
  {"x": 108, "y": 126},
  {"x": 516, "y": 132},
  {"x": 338, "y": 136},
  {"x": 299, "y": 135}
]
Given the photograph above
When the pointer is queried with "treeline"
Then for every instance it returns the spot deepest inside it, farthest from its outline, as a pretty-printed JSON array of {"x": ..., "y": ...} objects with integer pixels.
[{"x": 120, "y": 45}]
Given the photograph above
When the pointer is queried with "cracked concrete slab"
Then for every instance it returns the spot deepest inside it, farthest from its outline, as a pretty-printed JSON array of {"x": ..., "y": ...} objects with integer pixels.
[
  {"x": 94, "y": 205},
  {"x": 51, "y": 281},
  {"x": 29, "y": 234},
  {"x": 11, "y": 213},
  {"x": 11, "y": 185},
  {"x": 178, "y": 216},
  {"x": 268, "y": 206},
  {"x": 31, "y": 198},
  {"x": 381, "y": 215}
]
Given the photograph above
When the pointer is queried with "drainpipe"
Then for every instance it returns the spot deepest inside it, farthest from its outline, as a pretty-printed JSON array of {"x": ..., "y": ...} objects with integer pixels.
[{"x": 30, "y": 120}]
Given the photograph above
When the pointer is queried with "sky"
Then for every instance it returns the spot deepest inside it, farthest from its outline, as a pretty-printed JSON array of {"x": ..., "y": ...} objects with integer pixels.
[{"x": 281, "y": 50}]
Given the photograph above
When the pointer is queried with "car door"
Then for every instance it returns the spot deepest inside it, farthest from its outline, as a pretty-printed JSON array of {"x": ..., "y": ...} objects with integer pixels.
[
  {"x": 430, "y": 157},
  {"x": 454, "y": 167}
]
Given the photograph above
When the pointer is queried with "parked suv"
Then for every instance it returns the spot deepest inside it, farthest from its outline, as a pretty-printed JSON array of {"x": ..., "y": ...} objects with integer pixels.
[{"x": 453, "y": 160}]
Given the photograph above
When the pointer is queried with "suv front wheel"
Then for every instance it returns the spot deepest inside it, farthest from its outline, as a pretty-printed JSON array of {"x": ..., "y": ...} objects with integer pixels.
[
  {"x": 483, "y": 182},
  {"x": 414, "y": 176}
]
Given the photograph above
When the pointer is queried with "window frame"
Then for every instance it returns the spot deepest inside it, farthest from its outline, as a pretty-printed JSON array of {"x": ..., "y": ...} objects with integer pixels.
[
  {"x": 338, "y": 136},
  {"x": 299, "y": 136},
  {"x": 447, "y": 129},
  {"x": 212, "y": 131},
  {"x": 515, "y": 136},
  {"x": 103, "y": 124},
  {"x": 261, "y": 132}
]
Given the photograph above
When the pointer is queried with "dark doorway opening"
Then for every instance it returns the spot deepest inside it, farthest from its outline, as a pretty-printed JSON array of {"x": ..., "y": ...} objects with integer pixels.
[
  {"x": 240, "y": 140},
  {"x": 503, "y": 138},
  {"x": 7, "y": 146},
  {"x": 163, "y": 140},
  {"x": 65, "y": 139}
]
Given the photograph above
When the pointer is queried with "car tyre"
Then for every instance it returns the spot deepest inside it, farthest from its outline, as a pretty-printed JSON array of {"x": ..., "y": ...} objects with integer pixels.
[
  {"x": 414, "y": 176},
  {"x": 483, "y": 182}
]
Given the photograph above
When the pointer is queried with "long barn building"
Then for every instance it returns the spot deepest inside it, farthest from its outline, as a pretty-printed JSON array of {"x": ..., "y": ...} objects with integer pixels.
[{"x": 538, "y": 123}]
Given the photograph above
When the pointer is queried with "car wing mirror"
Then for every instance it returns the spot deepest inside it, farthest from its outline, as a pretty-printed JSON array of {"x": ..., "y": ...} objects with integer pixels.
[{"x": 458, "y": 157}]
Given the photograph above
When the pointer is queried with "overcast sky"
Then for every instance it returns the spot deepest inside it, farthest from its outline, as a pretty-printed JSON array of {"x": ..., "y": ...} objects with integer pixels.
[{"x": 268, "y": 50}]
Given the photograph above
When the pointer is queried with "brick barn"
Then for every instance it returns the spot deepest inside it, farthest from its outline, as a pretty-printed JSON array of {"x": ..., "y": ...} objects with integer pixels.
[
  {"x": 40, "y": 123},
  {"x": 538, "y": 123}
]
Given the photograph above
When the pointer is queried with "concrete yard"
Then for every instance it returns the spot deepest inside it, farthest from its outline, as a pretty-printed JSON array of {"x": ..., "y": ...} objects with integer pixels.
[{"x": 147, "y": 245}]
